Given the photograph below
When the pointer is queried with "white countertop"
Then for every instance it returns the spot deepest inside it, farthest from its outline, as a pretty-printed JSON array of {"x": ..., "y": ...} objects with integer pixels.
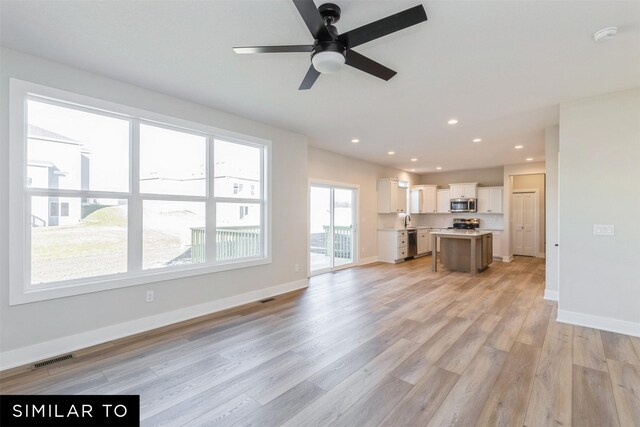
[{"x": 460, "y": 233}]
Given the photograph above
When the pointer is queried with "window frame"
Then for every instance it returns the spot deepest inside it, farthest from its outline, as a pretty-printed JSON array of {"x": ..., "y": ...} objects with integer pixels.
[{"x": 21, "y": 290}]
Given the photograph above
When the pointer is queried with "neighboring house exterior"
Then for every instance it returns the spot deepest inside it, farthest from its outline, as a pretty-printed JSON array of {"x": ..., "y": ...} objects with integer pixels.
[{"x": 56, "y": 162}]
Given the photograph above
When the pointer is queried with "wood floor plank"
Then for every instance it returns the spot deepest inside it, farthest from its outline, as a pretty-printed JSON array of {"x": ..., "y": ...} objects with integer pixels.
[
  {"x": 625, "y": 381},
  {"x": 419, "y": 363},
  {"x": 593, "y": 403},
  {"x": 619, "y": 347},
  {"x": 550, "y": 402},
  {"x": 465, "y": 348},
  {"x": 588, "y": 350},
  {"x": 509, "y": 398},
  {"x": 227, "y": 413},
  {"x": 465, "y": 402},
  {"x": 534, "y": 327},
  {"x": 419, "y": 405},
  {"x": 328, "y": 407},
  {"x": 376, "y": 404},
  {"x": 283, "y": 407}
]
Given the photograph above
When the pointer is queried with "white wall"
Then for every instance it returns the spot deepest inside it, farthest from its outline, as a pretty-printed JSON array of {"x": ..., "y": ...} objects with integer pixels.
[
  {"x": 599, "y": 183},
  {"x": 329, "y": 166},
  {"x": 509, "y": 171},
  {"x": 551, "y": 137},
  {"x": 485, "y": 177},
  {"x": 42, "y": 329}
]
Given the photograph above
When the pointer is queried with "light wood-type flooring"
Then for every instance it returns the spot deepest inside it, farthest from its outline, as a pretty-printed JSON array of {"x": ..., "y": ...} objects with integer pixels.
[{"x": 389, "y": 345}]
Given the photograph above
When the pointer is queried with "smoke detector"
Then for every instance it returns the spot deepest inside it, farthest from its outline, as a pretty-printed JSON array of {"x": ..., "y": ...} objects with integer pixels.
[{"x": 605, "y": 33}]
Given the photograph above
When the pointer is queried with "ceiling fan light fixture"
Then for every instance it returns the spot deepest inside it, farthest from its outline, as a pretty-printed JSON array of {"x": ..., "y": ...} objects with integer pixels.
[{"x": 328, "y": 62}]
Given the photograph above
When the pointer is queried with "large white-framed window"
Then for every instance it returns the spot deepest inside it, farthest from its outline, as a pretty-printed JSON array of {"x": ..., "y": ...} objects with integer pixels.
[{"x": 105, "y": 196}]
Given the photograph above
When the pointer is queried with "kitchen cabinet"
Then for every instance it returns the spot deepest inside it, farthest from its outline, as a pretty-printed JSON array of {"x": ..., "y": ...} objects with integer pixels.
[
  {"x": 490, "y": 200},
  {"x": 392, "y": 245},
  {"x": 443, "y": 203},
  {"x": 464, "y": 190},
  {"x": 424, "y": 242},
  {"x": 497, "y": 244},
  {"x": 392, "y": 196},
  {"x": 423, "y": 199}
]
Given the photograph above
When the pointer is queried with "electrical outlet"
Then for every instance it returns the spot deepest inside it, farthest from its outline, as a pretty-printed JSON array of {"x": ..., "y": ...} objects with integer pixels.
[
  {"x": 150, "y": 296},
  {"x": 296, "y": 268}
]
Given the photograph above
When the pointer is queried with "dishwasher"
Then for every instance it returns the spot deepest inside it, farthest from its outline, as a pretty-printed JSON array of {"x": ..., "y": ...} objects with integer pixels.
[{"x": 412, "y": 247}]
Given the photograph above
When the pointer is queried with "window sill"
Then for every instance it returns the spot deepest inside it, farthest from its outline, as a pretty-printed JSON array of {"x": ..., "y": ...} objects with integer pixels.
[{"x": 25, "y": 296}]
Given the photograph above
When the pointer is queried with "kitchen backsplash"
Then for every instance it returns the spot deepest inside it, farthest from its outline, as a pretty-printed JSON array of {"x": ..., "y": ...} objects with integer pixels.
[{"x": 490, "y": 221}]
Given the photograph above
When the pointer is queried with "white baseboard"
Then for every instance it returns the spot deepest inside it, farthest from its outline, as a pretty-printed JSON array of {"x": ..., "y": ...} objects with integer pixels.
[
  {"x": 24, "y": 355},
  {"x": 597, "y": 322},
  {"x": 550, "y": 295},
  {"x": 507, "y": 258},
  {"x": 369, "y": 260},
  {"x": 540, "y": 255}
]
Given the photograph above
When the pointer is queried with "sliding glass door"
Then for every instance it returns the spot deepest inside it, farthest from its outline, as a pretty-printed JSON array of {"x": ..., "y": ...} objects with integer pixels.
[{"x": 331, "y": 227}]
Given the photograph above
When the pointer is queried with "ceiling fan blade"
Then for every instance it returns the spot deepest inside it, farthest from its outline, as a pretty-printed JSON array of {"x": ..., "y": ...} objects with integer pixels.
[
  {"x": 272, "y": 49},
  {"x": 313, "y": 19},
  {"x": 383, "y": 27},
  {"x": 367, "y": 65},
  {"x": 309, "y": 79}
]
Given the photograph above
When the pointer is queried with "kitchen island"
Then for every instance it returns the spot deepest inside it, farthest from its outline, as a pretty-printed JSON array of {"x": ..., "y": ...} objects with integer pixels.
[{"x": 462, "y": 250}]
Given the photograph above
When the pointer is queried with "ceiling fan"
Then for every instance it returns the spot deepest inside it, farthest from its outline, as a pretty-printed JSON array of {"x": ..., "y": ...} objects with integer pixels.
[{"x": 330, "y": 50}]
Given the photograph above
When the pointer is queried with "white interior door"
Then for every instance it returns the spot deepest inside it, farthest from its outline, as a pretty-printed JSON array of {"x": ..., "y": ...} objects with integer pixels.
[
  {"x": 332, "y": 231},
  {"x": 523, "y": 224}
]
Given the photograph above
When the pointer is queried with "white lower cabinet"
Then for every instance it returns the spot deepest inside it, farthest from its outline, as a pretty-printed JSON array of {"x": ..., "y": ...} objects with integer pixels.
[
  {"x": 392, "y": 245},
  {"x": 424, "y": 242},
  {"x": 497, "y": 244}
]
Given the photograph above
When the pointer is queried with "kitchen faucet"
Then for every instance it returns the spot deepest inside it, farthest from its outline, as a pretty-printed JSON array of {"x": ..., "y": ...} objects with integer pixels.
[{"x": 407, "y": 218}]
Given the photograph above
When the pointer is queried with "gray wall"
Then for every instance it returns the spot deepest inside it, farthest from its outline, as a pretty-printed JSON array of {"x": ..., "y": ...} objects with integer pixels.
[
  {"x": 485, "y": 177},
  {"x": 599, "y": 183},
  {"x": 536, "y": 182},
  {"x": 552, "y": 135},
  {"x": 35, "y": 323}
]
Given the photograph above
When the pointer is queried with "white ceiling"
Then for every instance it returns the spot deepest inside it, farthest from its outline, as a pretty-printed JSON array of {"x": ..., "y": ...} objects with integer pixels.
[{"x": 500, "y": 67}]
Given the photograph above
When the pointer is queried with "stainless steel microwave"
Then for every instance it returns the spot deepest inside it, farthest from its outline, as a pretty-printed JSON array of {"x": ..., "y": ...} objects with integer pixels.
[{"x": 463, "y": 205}]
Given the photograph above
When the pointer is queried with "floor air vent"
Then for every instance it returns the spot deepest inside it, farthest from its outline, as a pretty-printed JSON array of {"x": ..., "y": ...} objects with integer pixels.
[
  {"x": 267, "y": 300},
  {"x": 48, "y": 362}
]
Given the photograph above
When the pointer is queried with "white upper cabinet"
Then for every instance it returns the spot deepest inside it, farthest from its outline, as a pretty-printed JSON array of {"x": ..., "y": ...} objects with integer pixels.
[
  {"x": 490, "y": 200},
  {"x": 423, "y": 199},
  {"x": 444, "y": 201},
  {"x": 464, "y": 190},
  {"x": 392, "y": 198}
]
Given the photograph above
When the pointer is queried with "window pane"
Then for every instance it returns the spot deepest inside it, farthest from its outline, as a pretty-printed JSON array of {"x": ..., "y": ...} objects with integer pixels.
[
  {"x": 75, "y": 150},
  {"x": 173, "y": 233},
  {"x": 237, "y": 172},
  {"x": 88, "y": 240},
  {"x": 238, "y": 230},
  {"x": 172, "y": 162}
]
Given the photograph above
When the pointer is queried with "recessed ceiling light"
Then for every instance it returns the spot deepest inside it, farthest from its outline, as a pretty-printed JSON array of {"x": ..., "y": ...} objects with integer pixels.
[
  {"x": 414, "y": 160},
  {"x": 355, "y": 140},
  {"x": 605, "y": 33},
  {"x": 529, "y": 159},
  {"x": 453, "y": 121},
  {"x": 517, "y": 147},
  {"x": 391, "y": 153},
  {"x": 439, "y": 168},
  {"x": 477, "y": 140}
]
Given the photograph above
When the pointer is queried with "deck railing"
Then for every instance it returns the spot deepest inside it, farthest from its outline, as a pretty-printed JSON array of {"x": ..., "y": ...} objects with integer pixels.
[
  {"x": 343, "y": 241},
  {"x": 231, "y": 243}
]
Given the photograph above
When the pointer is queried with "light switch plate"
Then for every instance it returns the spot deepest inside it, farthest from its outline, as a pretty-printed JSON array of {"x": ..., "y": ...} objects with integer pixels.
[{"x": 603, "y": 230}]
